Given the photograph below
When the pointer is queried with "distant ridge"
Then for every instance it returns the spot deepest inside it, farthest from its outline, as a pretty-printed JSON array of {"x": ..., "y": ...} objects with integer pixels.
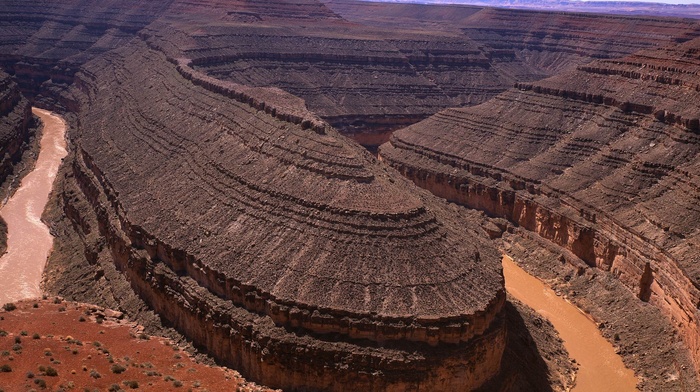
[{"x": 603, "y": 7}]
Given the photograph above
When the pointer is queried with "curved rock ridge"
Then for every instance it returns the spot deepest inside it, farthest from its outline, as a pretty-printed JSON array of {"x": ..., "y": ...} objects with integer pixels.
[
  {"x": 602, "y": 161},
  {"x": 377, "y": 74},
  {"x": 557, "y": 41},
  {"x": 365, "y": 74},
  {"x": 43, "y": 43},
  {"x": 218, "y": 194}
]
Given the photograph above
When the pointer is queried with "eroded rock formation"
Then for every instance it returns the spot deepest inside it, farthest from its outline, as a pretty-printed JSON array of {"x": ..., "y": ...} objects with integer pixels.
[
  {"x": 264, "y": 236},
  {"x": 16, "y": 122},
  {"x": 242, "y": 218},
  {"x": 601, "y": 161}
]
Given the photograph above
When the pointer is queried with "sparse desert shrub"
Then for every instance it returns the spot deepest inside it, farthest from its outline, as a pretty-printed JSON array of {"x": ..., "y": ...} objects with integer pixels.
[
  {"x": 57, "y": 300},
  {"x": 24, "y": 333},
  {"x": 5, "y": 353},
  {"x": 177, "y": 383},
  {"x": 95, "y": 374},
  {"x": 17, "y": 347},
  {"x": 18, "y": 340},
  {"x": 118, "y": 369},
  {"x": 3, "y": 333},
  {"x": 40, "y": 383},
  {"x": 62, "y": 309},
  {"x": 36, "y": 305},
  {"x": 51, "y": 372},
  {"x": 5, "y": 368},
  {"x": 97, "y": 343},
  {"x": 131, "y": 384},
  {"x": 9, "y": 306},
  {"x": 36, "y": 336},
  {"x": 30, "y": 375},
  {"x": 81, "y": 319},
  {"x": 114, "y": 388}
]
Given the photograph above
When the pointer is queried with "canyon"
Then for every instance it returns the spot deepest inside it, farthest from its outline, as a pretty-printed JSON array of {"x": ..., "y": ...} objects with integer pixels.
[
  {"x": 212, "y": 194},
  {"x": 29, "y": 241}
]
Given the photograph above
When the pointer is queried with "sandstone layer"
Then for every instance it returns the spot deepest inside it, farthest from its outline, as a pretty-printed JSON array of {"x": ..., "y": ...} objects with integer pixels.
[
  {"x": 368, "y": 76},
  {"x": 264, "y": 236},
  {"x": 363, "y": 72},
  {"x": 43, "y": 43},
  {"x": 601, "y": 161},
  {"x": 239, "y": 215}
]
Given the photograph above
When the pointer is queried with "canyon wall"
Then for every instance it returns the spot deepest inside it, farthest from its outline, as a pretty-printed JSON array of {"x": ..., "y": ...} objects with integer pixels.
[
  {"x": 16, "y": 129},
  {"x": 43, "y": 43},
  {"x": 368, "y": 74},
  {"x": 363, "y": 72},
  {"x": 601, "y": 161},
  {"x": 15, "y": 124},
  {"x": 261, "y": 234}
]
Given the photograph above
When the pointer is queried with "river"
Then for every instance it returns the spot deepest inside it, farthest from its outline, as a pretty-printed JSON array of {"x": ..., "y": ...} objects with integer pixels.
[
  {"x": 600, "y": 368},
  {"x": 29, "y": 244},
  {"x": 28, "y": 239}
]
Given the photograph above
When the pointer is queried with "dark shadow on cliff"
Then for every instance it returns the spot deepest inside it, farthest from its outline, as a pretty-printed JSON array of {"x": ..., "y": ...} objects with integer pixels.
[{"x": 531, "y": 339}]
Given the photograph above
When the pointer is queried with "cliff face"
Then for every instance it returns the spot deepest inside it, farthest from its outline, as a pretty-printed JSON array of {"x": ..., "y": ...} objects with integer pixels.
[
  {"x": 15, "y": 121},
  {"x": 365, "y": 73},
  {"x": 601, "y": 161},
  {"x": 264, "y": 236},
  {"x": 369, "y": 74},
  {"x": 43, "y": 43},
  {"x": 15, "y": 130}
]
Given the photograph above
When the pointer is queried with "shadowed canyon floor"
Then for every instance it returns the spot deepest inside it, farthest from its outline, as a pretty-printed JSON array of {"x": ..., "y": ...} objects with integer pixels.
[{"x": 210, "y": 195}]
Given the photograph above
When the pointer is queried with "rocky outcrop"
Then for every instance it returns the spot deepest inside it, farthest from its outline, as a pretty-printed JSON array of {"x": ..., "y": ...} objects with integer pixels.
[
  {"x": 284, "y": 250},
  {"x": 600, "y": 161},
  {"x": 15, "y": 124}
]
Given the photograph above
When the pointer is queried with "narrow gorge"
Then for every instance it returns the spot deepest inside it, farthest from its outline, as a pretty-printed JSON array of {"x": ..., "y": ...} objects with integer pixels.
[{"x": 28, "y": 239}]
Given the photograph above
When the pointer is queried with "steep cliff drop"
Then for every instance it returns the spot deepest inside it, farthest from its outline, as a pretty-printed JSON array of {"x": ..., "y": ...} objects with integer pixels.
[{"x": 29, "y": 241}]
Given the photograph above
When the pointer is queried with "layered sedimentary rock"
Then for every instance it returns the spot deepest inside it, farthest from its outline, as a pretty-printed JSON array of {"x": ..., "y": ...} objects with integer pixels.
[
  {"x": 15, "y": 130},
  {"x": 15, "y": 122},
  {"x": 363, "y": 72},
  {"x": 602, "y": 161},
  {"x": 288, "y": 252},
  {"x": 43, "y": 43},
  {"x": 380, "y": 73}
]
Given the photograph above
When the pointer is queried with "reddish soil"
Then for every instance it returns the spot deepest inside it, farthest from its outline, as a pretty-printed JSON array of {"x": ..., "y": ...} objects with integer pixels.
[{"x": 52, "y": 336}]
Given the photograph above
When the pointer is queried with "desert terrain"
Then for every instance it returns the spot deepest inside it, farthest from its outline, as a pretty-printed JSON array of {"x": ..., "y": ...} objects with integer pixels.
[{"x": 319, "y": 195}]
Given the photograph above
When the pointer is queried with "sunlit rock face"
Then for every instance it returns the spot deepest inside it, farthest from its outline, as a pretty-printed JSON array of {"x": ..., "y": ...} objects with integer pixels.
[
  {"x": 286, "y": 250},
  {"x": 602, "y": 160}
]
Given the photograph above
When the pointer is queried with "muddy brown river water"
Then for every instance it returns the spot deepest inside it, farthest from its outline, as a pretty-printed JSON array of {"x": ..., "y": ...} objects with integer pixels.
[
  {"x": 600, "y": 368},
  {"x": 28, "y": 239}
]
